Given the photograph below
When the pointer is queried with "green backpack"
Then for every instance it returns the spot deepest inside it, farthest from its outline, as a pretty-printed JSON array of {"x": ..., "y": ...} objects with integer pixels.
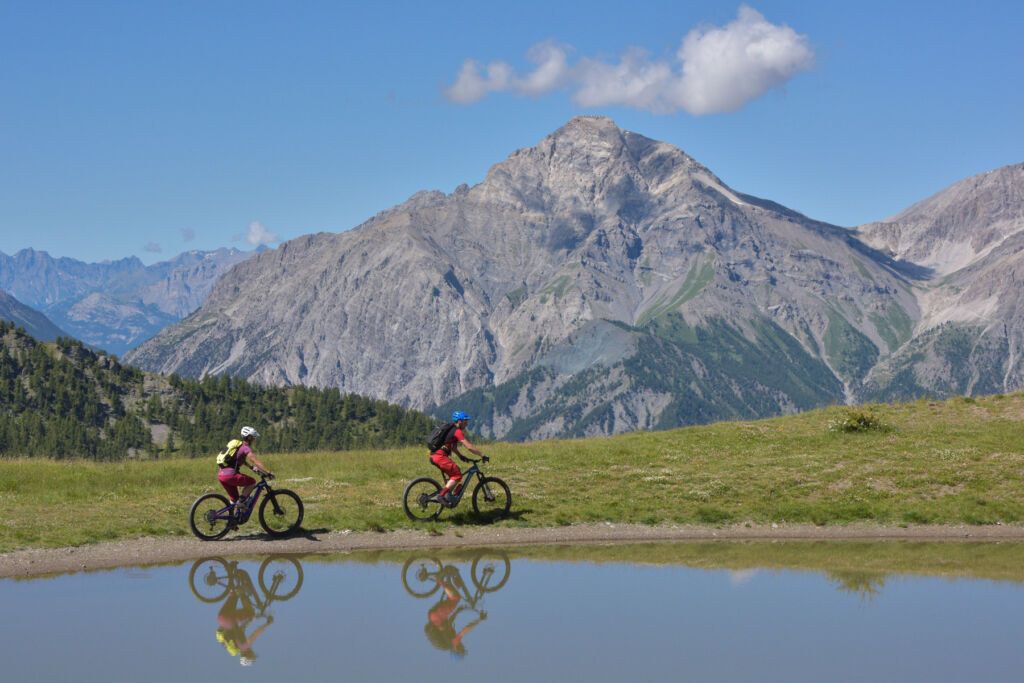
[{"x": 226, "y": 458}]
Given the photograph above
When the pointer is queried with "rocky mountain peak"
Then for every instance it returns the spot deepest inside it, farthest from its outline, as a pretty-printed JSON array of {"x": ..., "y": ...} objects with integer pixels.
[
  {"x": 956, "y": 226},
  {"x": 596, "y": 282}
]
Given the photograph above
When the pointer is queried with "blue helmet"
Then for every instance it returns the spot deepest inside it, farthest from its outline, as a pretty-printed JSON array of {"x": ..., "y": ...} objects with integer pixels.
[{"x": 459, "y": 415}]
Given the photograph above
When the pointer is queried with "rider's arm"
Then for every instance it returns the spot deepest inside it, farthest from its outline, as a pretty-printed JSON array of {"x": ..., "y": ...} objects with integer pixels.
[
  {"x": 256, "y": 464},
  {"x": 468, "y": 445}
]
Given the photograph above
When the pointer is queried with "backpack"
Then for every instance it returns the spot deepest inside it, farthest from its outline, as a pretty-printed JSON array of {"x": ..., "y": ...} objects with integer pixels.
[
  {"x": 226, "y": 458},
  {"x": 441, "y": 435}
]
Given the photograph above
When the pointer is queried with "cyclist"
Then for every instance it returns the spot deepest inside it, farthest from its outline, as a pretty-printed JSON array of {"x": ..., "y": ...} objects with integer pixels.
[
  {"x": 441, "y": 457},
  {"x": 230, "y": 476}
]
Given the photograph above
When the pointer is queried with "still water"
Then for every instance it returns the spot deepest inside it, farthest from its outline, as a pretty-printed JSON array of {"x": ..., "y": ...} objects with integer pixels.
[{"x": 676, "y": 612}]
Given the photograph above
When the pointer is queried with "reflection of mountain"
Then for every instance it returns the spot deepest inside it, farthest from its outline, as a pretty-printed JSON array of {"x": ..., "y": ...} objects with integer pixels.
[
  {"x": 1002, "y": 562},
  {"x": 244, "y": 616},
  {"x": 459, "y": 607}
]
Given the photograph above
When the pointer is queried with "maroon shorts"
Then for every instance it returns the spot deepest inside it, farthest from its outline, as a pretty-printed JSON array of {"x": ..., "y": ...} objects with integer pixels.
[
  {"x": 233, "y": 481},
  {"x": 447, "y": 465}
]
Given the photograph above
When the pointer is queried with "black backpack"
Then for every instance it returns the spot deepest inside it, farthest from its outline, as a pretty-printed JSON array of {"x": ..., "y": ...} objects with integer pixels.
[{"x": 441, "y": 435}]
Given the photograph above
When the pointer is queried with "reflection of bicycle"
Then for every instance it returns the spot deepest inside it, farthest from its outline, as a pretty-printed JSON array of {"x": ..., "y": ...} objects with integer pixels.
[
  {"x": 489, "y": 571},
  {"x": 212, "y": 515},
  {"x": 491, "y": 497},
  {"x": 280, "y": 579}
]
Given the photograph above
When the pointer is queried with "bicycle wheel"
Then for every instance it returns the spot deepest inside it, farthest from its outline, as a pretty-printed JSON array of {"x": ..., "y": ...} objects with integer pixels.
[
  {"x": 280, "y": 577},
  {"x": 214, "y": 579},
  {"x": 490, "y": 570},
  {"x": 418, "y": 501},
  {"x": 281, "y": 512},
  {"x": 206, "y": 518},
  {"x": 491, "y": 499},
  {"x": 419, "y": 575}
]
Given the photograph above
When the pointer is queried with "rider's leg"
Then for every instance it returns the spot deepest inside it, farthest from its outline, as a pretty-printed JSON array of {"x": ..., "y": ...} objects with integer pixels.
[
  {"x": 449, "y": 468},
  {"x": 231, "y": 489},
  {"x": 249, "y": 484}
]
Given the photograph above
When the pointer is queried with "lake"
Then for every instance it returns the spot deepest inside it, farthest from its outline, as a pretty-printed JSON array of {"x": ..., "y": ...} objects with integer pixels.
[{"x": 722, "y": 611}]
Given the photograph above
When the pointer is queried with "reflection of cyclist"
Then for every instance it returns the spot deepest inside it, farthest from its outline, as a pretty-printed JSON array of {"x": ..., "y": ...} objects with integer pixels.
[
  {"x": 232, "y": 620},
  {"x": 441, "y": 458},
  {"x": 440, "y": 628}
]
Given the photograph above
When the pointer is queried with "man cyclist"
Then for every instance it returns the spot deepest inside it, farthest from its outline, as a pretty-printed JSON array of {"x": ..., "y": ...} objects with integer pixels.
[
  {"x": 441, "y": 457},
  {"x": 231, "y": 477}
]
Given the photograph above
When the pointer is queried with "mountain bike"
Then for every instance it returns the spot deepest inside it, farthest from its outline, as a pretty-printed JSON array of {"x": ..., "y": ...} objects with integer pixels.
[
  {"x": 280, "y": 578},
  {"x": 491, "y": 498},
  {"x": 489, "y": 572},
  {"x": 212, "y": 515}
]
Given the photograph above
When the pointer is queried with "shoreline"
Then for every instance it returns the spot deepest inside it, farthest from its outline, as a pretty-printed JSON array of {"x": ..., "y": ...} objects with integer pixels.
[{"x": 149, "y": 551}]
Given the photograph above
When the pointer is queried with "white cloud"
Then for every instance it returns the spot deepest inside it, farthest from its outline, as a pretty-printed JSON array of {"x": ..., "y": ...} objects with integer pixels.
[
  {"x": 258, "y": 234},
  {"x": 474, "y": 81},
  {"x": 153, "y": 248},
  {"x": 715, "y": 70}
]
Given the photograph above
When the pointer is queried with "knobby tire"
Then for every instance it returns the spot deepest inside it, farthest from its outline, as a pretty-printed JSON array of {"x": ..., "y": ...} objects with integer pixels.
[
  {"x": 491, "y": 510},
  {"x": 419, "y": 575},
  {"x": 203, "y": 519},
  {"x": 414, "y": 500},
  {"x": 284, "y": 517},
  {"x": 280, "y": 577},
  {"x": 214, "y": 579},
  {"x": 490, "y": 570}
]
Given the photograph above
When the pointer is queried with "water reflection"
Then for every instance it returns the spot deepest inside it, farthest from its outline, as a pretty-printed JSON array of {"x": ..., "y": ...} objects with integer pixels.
[
  {"x": 864, "y": 584},
  {"x": 243, "y": 616},
  {"x": 424, "y": 576},
  {"x": 791, "y": 611}
]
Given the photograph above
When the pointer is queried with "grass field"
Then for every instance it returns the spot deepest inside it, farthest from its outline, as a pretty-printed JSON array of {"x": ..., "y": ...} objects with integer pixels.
[{"x": 926, "y": 462}]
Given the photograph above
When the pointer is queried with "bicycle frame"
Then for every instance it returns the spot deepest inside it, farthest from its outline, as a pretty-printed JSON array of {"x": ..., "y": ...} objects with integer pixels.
[
  {"x": 254, "y": 496},
  {"x": 467, "y": 478}
]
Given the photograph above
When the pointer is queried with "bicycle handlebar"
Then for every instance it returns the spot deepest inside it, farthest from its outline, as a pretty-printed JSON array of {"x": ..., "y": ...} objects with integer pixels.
[{"x": 265, "y": 475}]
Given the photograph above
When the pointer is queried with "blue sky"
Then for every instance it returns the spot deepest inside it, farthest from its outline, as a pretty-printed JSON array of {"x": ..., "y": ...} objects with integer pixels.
[{"x": 150, "y": 128}]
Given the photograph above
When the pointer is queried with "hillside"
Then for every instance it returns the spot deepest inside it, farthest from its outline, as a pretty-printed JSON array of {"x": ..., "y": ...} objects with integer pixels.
[
  {"x": 34, "y": 322},
  {"x": 63, "y": 400},
  {"x": 917, "y": 468}
]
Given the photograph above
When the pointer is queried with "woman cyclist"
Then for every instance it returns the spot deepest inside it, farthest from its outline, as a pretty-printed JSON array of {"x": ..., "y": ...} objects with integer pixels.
[{"x": 230, "y": 476}]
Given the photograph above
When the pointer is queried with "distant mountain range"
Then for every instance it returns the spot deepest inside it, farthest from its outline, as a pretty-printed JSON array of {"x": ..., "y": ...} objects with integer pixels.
[
  {"x": 601, "y": 282},
  {"x": 114, "y": 305}
]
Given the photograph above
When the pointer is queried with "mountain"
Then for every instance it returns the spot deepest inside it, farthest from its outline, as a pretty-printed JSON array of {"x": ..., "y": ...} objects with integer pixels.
[
  {"x": 34, "y": 322},
  {"x": 596, "y": 283},
  {"x": 114, "y": 305},
  {"x": 969, "y": 241}
]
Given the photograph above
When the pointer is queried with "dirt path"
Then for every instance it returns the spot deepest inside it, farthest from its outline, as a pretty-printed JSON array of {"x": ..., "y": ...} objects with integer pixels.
[{"x": 144, "y": 551}]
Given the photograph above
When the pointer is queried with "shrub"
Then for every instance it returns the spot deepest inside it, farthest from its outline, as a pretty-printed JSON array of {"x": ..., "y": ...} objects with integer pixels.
[{"x": 857, "y": 419}]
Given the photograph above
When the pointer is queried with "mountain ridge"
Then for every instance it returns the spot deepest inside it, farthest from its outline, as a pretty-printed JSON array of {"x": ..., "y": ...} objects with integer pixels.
[
  {"x": 593, "y": 249},
  {"x": 114, "y": 305}
]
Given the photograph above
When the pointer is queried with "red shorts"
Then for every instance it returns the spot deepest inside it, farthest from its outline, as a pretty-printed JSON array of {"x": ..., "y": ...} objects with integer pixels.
[
  {"x": 447, "y": 465},
  {"x": 231, "y": 483},
  {"x": 443, "y": 610}
]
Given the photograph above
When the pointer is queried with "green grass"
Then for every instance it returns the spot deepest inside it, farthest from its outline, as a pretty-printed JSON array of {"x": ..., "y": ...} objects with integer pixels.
[{"x": 954, "y": 462}]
